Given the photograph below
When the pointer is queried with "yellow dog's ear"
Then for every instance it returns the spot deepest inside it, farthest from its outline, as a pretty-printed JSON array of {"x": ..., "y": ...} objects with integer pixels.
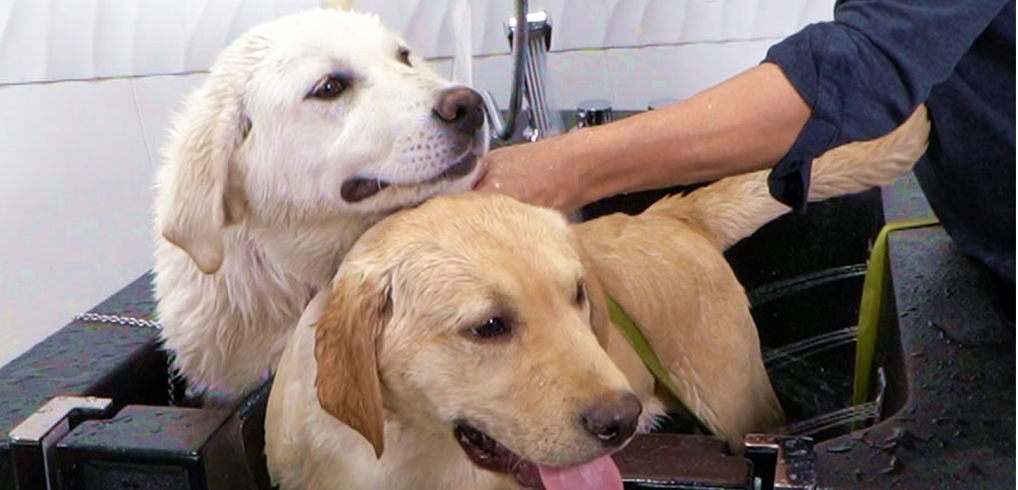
[
  {"x": 348, "y": 383},
  {"x": 204, "y": 192}
]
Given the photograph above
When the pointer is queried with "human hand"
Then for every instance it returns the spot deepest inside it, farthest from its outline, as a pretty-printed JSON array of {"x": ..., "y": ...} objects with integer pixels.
[{"x": 539, "y": 173}]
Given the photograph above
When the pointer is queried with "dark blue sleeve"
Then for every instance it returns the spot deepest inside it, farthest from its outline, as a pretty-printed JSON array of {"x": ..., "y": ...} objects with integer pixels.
[{"x": 865, "y": 72}]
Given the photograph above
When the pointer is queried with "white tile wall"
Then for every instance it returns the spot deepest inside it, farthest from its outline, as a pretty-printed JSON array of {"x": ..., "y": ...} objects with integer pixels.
[
  {"x": 628, "y": 77},
  {"x": 77, "y": 157},
  {"x": 83, "y": 39},
  {"x": 644, "y": 74},
  {"x": 594, "y": 24},
  {"x": 73, "y": 203},
  {"x": 626, "y": 51},
  {"x": 157, "y": 98}
]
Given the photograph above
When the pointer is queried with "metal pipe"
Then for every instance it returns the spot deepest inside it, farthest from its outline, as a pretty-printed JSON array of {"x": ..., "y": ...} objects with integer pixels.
[
  {"x": 504, "y": 130},
  {"x": 540, "y": 109}
]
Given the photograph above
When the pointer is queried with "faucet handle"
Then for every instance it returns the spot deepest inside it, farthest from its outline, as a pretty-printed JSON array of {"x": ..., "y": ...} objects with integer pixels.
[
  {"x": 538, "y": 24},
  {"x": 496, "y": 124},
  {"x": 593, "y": 112}
]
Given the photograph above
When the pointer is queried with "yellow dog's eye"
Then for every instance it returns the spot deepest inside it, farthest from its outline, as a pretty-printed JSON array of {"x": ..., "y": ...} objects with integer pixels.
[
  {"x": 494, "y": 327},
  {"x": 581, "y": 292},
  {"x": 404, "y": 55},
  {"x": 330, "y": 87}
]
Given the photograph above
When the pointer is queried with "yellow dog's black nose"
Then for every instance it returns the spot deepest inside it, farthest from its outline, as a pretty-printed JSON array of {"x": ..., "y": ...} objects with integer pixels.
[
  {"x": 614, "y": 422},
  {"x": 462, "y": 108}
]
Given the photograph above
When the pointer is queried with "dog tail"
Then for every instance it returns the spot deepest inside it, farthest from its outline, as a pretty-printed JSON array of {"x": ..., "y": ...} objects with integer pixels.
[{"x": 735, "y": 207}]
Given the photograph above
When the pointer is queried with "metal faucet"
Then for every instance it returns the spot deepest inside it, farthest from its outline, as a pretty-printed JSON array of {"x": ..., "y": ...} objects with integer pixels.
[{"x": 530, "y": 47}]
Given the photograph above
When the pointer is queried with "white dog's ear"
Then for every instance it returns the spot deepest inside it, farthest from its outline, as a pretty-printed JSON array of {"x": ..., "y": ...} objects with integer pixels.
[
  {"x": 206, "y": 193},
  {"x": 347, "y": 382}
]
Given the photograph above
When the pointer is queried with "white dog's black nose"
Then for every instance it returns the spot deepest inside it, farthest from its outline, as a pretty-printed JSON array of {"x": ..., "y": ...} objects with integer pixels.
[
  {"x": 613, "y": 422},
  {"x": 462, "y": 108}
]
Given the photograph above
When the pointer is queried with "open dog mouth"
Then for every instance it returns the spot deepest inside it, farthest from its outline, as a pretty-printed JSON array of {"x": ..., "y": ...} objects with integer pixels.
[
  {"x": 359, "y": 189},
  {"x": 489, "y": 454}
]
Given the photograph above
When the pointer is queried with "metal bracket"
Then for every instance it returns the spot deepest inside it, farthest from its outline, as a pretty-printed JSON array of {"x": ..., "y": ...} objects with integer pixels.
[
  {"x": 792, "y": 458},
  {"x": 33, "y": 439}
]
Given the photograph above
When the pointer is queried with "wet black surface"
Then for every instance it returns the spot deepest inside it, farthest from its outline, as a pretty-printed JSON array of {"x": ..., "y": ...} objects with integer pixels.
[
  {"x": 154, "y": 447},
  {"x": 115, "y": 361},
  {"x": 649, "y": 462},
  {"x": 956, "y": 428}
]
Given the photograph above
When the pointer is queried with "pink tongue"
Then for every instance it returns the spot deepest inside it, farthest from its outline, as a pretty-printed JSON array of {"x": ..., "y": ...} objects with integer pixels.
[{"x": 599, "y": 474}]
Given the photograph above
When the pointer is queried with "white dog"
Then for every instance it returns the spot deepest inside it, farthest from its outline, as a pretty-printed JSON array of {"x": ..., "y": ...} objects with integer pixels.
[{"x": 308, "y": 130}]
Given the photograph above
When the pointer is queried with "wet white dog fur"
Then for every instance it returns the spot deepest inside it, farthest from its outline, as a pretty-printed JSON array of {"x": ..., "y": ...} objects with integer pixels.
[{"x": 249, "y": 217}]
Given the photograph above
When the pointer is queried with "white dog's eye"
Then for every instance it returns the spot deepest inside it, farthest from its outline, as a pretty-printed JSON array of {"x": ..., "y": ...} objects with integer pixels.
[
  {"x": 494, "y": 327},
  {"x": 330, "y": 87},
  {"x": 404, "y": 55}
]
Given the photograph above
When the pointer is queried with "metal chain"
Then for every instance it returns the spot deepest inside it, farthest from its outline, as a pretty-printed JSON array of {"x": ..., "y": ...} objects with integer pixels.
[
  {"x": 171, "y": 374},
  {"x": 117, "y": 319}
]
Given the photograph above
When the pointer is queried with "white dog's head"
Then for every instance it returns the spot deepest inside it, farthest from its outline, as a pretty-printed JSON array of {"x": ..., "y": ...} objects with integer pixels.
[{"x": 309, "y": 118}]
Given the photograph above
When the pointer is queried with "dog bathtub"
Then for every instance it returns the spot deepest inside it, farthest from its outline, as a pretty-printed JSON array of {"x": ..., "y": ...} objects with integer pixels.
[{"x": 803, "y": 274}]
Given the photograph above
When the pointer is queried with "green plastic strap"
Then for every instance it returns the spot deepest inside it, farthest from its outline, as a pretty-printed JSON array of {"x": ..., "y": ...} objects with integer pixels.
[
  {"x": 874, "y": 293},
  {"x": 635, "y": 337}
]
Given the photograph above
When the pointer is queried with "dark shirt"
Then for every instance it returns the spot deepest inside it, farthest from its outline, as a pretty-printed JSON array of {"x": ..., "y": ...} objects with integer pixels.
[{"x": 864, "y": 73}]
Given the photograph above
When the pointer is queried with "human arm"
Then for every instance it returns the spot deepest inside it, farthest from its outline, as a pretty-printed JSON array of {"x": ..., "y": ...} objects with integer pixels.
[
  {"x": 856, "y": 78},
  {"x": 865, "y": 72},
  {"x": 745, "y": 123}
]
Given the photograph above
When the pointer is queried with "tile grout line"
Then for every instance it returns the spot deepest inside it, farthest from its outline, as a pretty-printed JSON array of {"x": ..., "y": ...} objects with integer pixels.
[
  {"x": 100, "y": 78},
  {"x": 634, "y": 47},
  {"x": 141, "y": 124}
]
